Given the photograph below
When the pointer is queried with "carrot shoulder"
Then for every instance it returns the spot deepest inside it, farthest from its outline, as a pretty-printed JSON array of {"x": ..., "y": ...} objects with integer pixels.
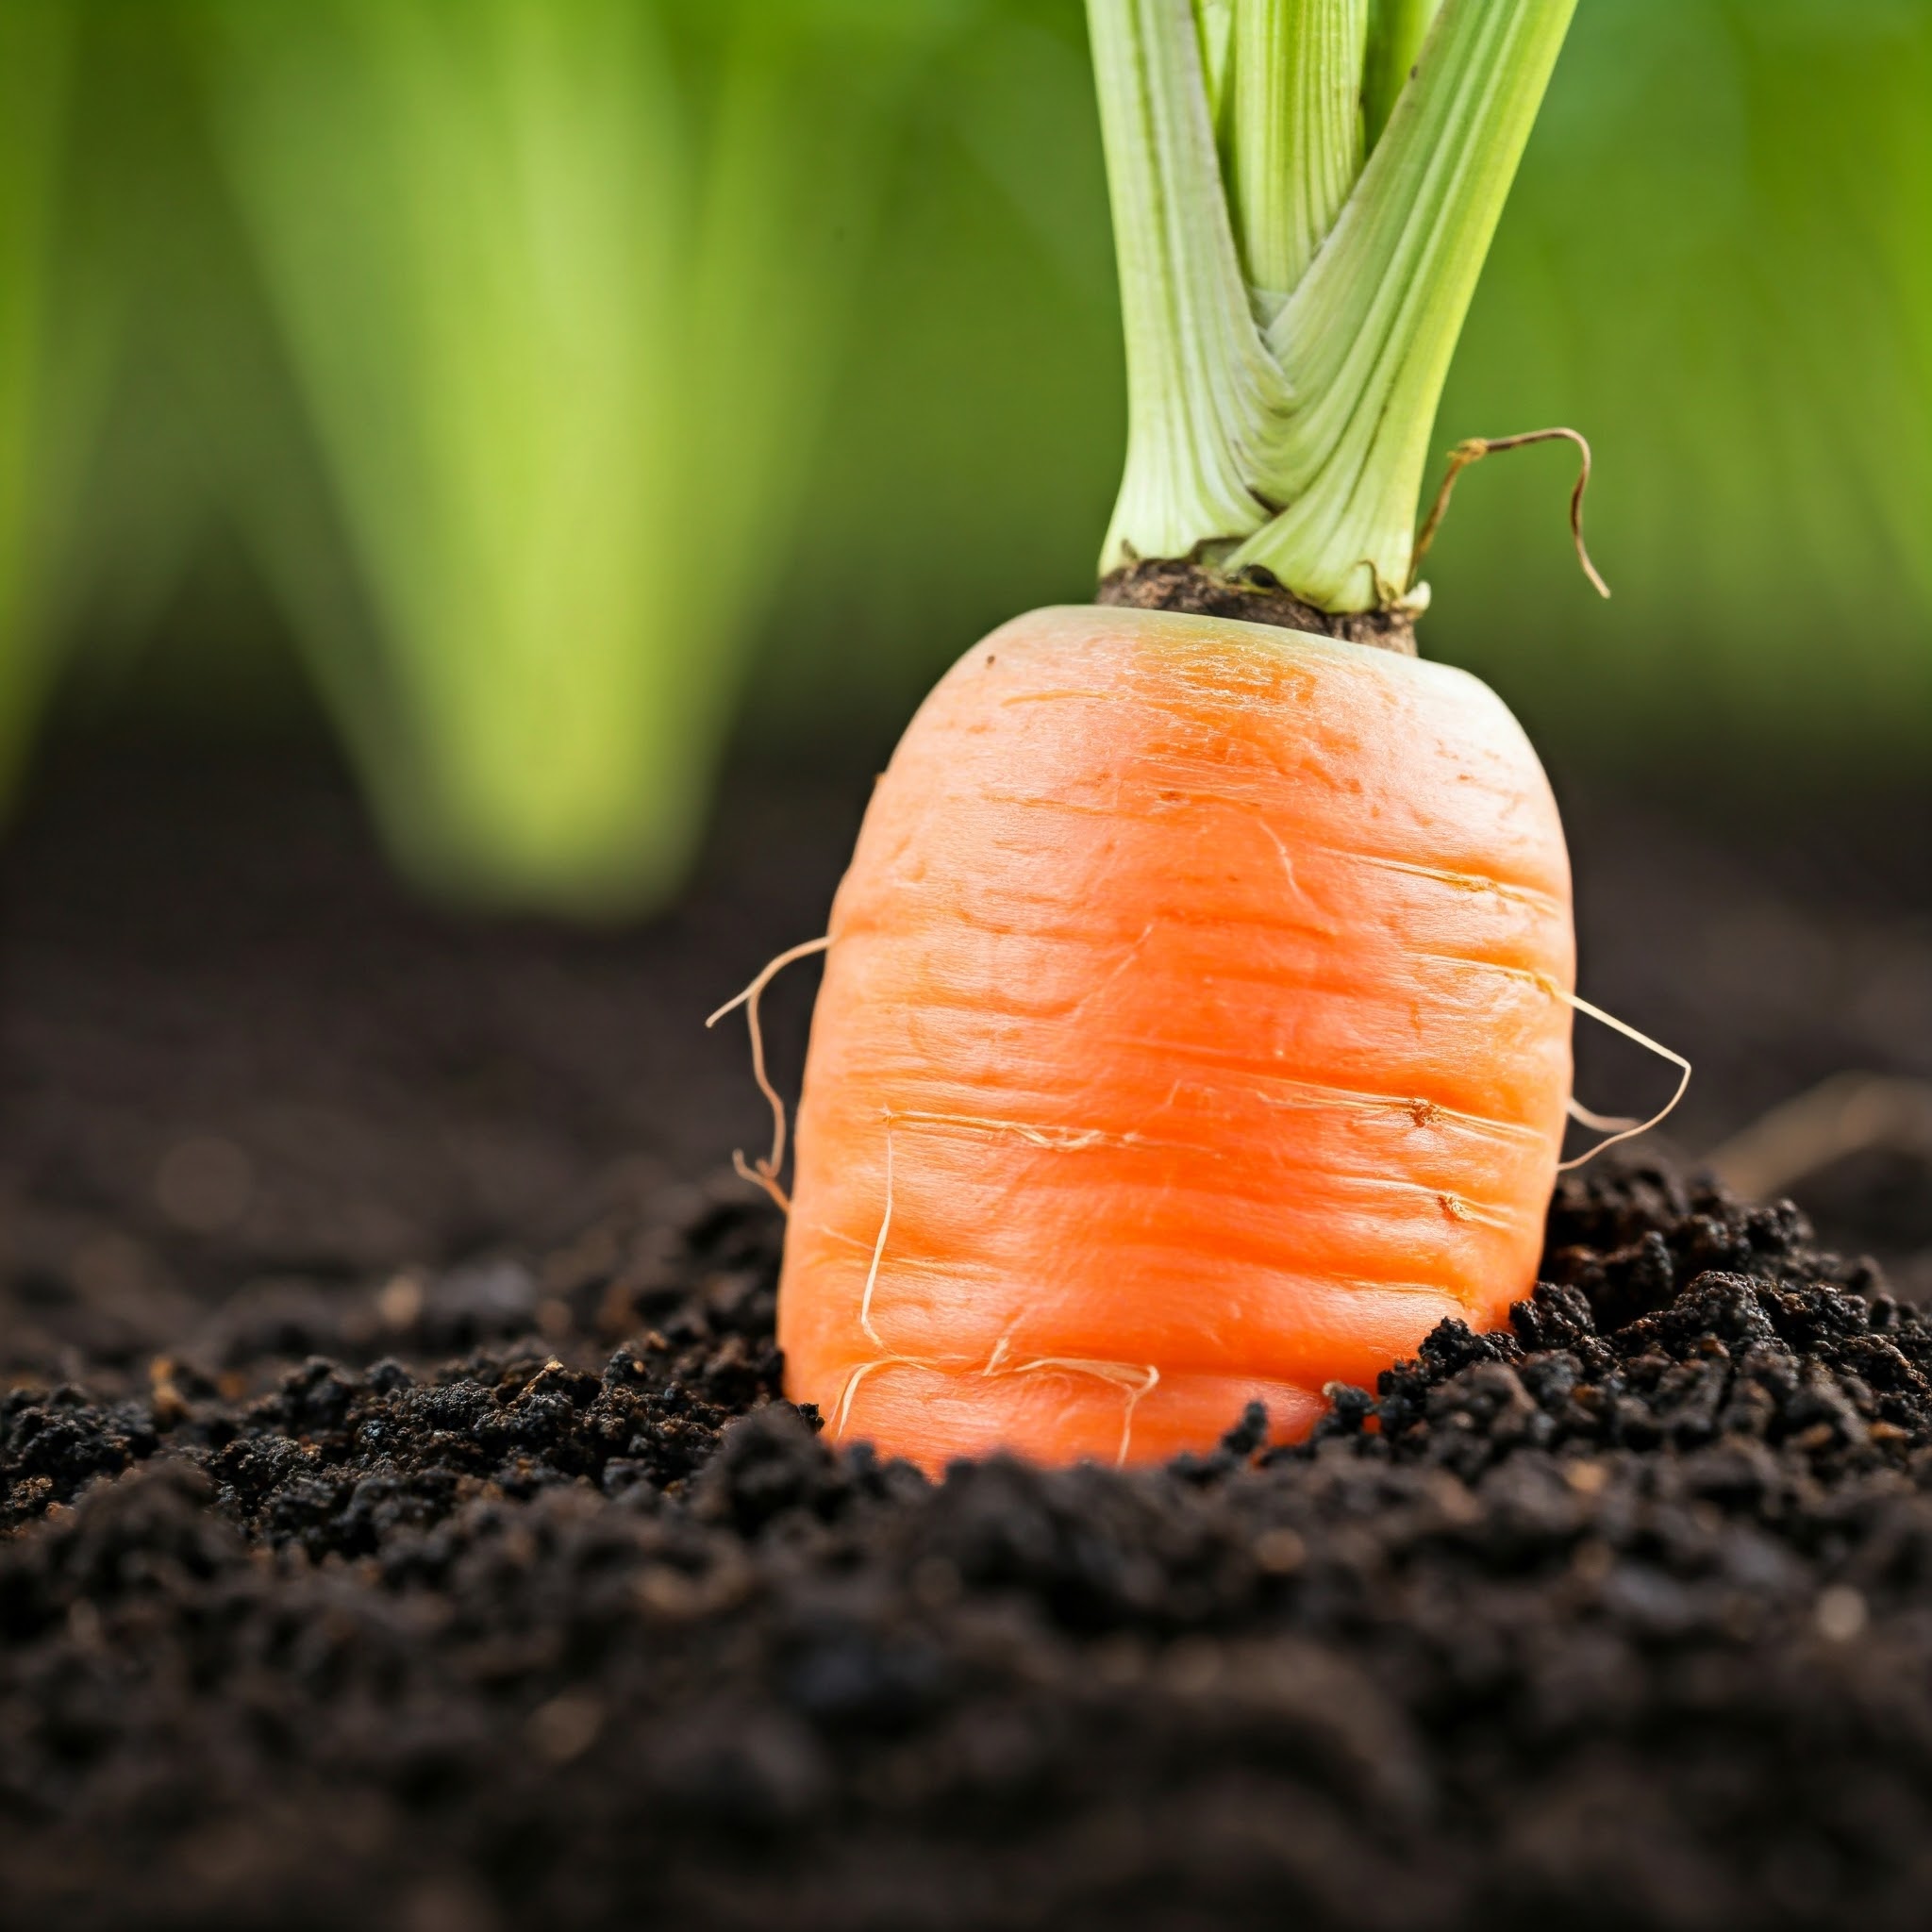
[{"x": 1192, "y": 1034}]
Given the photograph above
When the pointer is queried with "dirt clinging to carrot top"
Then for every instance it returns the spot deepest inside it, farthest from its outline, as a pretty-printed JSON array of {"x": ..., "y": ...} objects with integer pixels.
[{"x": 1609, "y": 1619}]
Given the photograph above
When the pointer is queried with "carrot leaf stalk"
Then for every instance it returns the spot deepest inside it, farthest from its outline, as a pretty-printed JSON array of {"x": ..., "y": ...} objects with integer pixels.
[
  {"x": 1396, "y": 31},
  {"x": 1292, "y": 289}
]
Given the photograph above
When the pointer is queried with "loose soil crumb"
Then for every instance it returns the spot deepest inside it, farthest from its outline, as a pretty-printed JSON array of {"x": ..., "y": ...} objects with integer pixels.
[{"x": 526, "y": 1600}]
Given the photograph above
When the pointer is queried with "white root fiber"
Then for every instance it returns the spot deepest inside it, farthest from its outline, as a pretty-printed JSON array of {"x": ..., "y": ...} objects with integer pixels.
[
  {"x": 1619, "y": 1129},
  {"x": 764, "y": 1172}
]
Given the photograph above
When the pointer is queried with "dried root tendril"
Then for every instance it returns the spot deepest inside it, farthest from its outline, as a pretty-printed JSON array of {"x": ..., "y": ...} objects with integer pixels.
[
  {"x": 1473, "y": 451},
  {"x": 1620, "y": 1130},
  {"x": 1598, "y": 1123},
  {"x": 764, "y": 1172}
]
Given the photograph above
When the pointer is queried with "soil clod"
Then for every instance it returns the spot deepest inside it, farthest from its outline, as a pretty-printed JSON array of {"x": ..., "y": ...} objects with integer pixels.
[{"x": 1193, "y": 590}]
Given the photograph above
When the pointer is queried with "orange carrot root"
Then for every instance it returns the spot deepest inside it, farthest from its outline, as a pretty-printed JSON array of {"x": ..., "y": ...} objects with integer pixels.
[{"x": 1185, "y": 1042}]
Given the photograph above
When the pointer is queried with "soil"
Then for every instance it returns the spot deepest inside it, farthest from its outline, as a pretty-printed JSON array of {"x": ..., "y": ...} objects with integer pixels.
[
  {"x": 402, "y": 1526},
  {"x": 1256, "y": 598}
]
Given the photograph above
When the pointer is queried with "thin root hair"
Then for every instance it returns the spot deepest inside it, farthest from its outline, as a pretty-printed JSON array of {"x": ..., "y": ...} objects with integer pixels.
[
  {"x": 878, "y": 1252},
  {"x": 843, "y": 1414},
  {"x": 764, "y": 1172},
  {"x": 1472, "y": 451},
  {"x": 1630, "y": 1131},
  {"x": 1598, "y": 1123},
  {"x": 1137, "y": 1379}
]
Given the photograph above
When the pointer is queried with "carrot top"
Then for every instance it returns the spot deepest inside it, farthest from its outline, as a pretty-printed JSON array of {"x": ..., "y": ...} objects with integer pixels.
[{"x": 1303, "y": 192}]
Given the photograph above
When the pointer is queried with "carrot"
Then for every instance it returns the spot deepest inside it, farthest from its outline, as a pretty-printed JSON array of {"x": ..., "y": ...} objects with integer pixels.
[
  {"x": 1195, "y": 1026},
  {"x": 1200, "y": 982}
]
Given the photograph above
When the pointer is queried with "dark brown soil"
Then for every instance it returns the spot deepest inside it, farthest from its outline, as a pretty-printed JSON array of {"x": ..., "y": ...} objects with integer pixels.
[
  {"x": 1191, "y": 587},
  {"x": 399, "y": 1526},
  {"x": 1618, "y": 1620}
]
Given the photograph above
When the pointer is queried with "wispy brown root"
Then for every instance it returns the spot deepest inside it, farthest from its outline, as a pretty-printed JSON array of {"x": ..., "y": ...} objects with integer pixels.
[
  {"x": 1625, "y": 1129},
  {"x": 1849, "y": 1113},
  {"x": 764, "y": 1172},
  {"x": 1473, "y": 451}
]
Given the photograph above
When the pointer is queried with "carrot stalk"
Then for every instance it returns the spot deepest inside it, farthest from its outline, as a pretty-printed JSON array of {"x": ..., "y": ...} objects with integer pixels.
[
  {"x": 1199, "y": 375},
  {"x": 1294, "y": 141},
  {"x": 1397, "y": 29},
  {"x": 1285, "y": 429}
]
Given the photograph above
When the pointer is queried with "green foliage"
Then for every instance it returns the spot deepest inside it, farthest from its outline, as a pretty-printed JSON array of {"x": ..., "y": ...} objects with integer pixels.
[
  {"x": 549, "y": 354},
  {"x": 179, "y": 374},
  {"x": 1714, "y": 263},
  {"x": 560, "y": 282},
  {"x": 42, "y": 355}
]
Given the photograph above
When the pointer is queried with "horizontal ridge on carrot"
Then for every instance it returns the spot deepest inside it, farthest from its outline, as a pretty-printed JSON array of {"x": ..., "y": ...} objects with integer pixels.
[{"x": 1196, "y": 1025}]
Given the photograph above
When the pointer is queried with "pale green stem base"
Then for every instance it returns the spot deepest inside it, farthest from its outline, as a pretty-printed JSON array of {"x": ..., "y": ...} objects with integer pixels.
[{"x": 1298, "y": 446}]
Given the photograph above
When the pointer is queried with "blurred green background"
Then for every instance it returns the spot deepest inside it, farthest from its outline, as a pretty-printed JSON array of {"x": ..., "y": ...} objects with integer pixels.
[{"x": 555, "y": 392}]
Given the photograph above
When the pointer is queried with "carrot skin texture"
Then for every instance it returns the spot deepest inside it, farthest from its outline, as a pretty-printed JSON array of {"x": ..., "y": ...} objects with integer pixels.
[{"x": 1193, "y": 1032}]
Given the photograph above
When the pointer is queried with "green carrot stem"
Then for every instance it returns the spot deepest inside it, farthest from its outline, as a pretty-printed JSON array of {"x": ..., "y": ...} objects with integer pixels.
[
  {"x": 1397, "y": 29},
  {"x": 1298, "y": 446},
  {"x": 1198, "y": 373},
  {"x": 1296, "y": 135}
]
